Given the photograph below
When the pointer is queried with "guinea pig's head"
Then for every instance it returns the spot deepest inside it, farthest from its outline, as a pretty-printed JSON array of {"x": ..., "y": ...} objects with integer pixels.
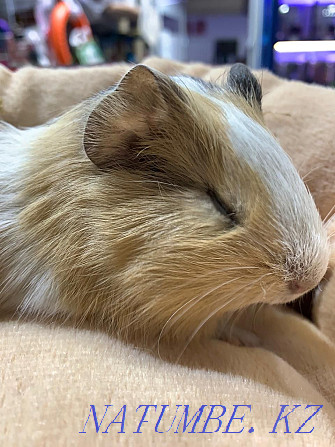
[{"x": 204, "y": 212}]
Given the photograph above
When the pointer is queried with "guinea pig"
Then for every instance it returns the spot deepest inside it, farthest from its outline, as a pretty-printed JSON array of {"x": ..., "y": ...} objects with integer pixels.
[{"x": 155, "y": 208}]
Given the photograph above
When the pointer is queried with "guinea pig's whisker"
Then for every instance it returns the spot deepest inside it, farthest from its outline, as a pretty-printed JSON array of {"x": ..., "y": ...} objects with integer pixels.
[
  {"x": 257, "y": 308},
  {"x": 198, "y": 298},
  {"x": 310, "y": 171},
  {"x": 216, "y": 310},
  {"x": 181, "y": 279},
  {"x": 123, "y": 303},
  {"x": 220, "y": 272},
  {"x": 231, "y": 320},
  {"x": 328, "y": 214},
  {"x": 192, "y": 302},
  {"x": 236, "y": 316},
  {"x": 247, "y": 286}
]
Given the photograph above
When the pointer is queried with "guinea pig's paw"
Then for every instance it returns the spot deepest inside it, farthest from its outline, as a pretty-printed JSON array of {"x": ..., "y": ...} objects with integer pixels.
[{"x": 238, "y": 336}]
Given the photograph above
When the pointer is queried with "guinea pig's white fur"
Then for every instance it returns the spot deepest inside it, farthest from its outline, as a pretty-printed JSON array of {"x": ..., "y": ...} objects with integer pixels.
[{"x": 155, "y": 208}]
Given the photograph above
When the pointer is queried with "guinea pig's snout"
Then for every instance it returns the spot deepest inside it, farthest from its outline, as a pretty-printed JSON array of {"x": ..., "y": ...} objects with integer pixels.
[
  {"x": 306, "y": 274},
  {"x": 301, "y": 287}
]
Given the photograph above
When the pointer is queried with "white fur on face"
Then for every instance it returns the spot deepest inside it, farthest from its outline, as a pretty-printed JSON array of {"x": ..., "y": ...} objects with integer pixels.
[
  {"x": 294, "y": 211},
  {"x": 23, "y": 283},
  {"x": 259, "y": 149}
]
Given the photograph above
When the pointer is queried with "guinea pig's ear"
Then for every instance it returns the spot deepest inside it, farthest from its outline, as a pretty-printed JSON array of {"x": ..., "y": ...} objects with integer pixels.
[
  {"x": 240, "y": 80},
  {"x": 134, "y": 109}
]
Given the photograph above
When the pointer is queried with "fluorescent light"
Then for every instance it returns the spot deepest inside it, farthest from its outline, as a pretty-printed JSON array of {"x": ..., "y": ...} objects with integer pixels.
[
  {"x": 304, "y": 46},
  {"x": 305, "y": 2}
]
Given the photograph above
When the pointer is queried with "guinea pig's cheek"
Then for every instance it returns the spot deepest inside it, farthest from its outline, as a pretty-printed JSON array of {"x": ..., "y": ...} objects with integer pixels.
[{"x": 125, "y": 250}]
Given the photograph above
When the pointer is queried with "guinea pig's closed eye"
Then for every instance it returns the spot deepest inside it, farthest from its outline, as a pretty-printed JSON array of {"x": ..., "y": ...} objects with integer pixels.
[
  {"x": 223, "y": 208},
  {"x": 206, "y": 212}
]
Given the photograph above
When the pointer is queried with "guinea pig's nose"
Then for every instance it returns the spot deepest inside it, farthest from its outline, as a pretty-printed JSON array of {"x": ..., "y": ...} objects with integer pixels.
[{"x": 300, "y": 287}]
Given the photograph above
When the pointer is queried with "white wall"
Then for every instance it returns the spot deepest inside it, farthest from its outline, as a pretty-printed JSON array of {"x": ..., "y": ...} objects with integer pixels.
[{"x": 218, "y": 27}]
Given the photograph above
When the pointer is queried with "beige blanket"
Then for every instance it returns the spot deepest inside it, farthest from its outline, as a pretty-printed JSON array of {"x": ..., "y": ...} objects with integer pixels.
[{"x": 55, "y": 378}]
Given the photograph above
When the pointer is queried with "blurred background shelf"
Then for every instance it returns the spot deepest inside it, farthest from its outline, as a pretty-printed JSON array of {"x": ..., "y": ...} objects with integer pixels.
[
  {"x": 297, "y": 39},
  {"x": 209, "y": 31}
]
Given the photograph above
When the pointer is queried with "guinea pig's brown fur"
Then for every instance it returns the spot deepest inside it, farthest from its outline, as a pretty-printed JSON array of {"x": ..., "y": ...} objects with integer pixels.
[{"x": 138, "y": 209}]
